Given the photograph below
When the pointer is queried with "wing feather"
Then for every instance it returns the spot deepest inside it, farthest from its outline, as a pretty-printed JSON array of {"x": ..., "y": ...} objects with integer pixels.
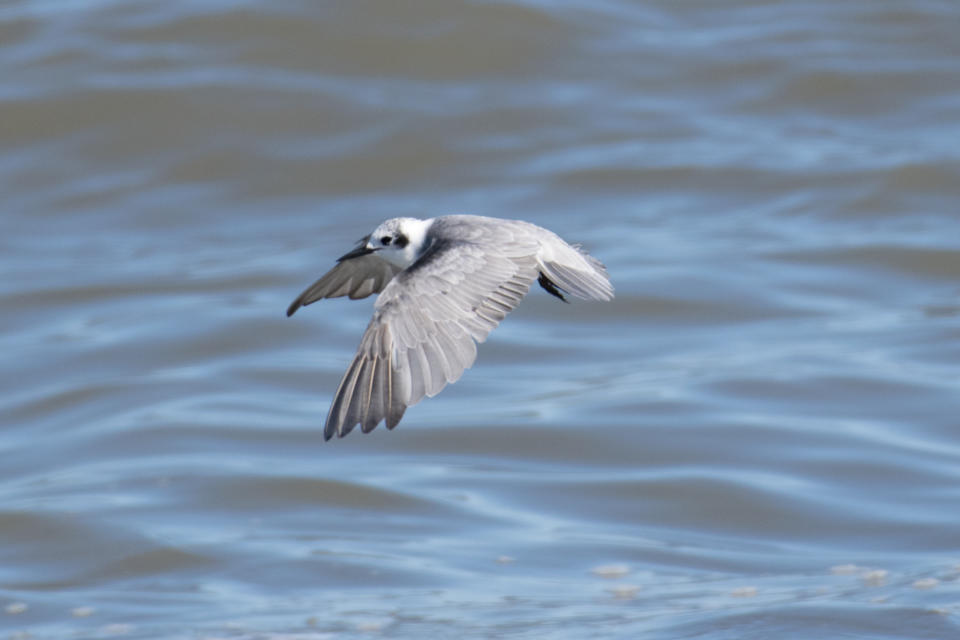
[
  {"x": 356, "y": 277},
  {"x": 431, "y": 319},
  {"x": 588, "y": 283}
]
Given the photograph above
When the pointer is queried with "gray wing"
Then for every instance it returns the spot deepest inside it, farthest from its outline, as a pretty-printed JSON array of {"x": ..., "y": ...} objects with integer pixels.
[
  {"x": 425, "y": 327},
  {"x": 564, "y": 265},
  {"x": 356, "y": 277}
]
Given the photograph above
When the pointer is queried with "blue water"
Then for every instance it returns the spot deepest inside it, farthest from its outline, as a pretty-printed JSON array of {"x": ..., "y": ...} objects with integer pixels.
[{"x": 758, "y": 438}]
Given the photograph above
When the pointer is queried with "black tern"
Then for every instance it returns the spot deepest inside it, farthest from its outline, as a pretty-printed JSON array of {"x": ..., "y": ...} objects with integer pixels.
[{"x": 445, "y": 283}]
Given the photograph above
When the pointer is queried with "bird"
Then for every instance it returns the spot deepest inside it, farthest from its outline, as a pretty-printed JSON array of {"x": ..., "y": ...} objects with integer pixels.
[{"x": 444, "y": 284}]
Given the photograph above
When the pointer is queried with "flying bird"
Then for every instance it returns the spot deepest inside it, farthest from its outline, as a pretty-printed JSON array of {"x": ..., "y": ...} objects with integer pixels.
[{"x": 444, "y": 284}]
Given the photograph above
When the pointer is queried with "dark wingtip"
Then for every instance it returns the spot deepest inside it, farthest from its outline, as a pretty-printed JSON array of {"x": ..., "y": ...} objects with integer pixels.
[
  {"x": 296, "y": 304},
  {"x": 329, "y": 431}
]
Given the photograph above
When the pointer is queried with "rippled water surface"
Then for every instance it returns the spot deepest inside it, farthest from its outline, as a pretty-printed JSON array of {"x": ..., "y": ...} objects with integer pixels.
[{"x": 757, "y": 439}]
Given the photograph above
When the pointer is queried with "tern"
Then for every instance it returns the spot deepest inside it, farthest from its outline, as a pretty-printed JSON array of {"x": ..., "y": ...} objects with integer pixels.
[{"x": 444, "y": 284}]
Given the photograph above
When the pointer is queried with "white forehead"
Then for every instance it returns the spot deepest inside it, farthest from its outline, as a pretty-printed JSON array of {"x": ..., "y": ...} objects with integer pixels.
[{"x": 393, "y": 226}]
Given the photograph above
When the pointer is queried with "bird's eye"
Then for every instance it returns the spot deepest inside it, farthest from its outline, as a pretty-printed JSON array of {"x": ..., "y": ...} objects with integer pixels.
[{"x": 385, "y": 240}]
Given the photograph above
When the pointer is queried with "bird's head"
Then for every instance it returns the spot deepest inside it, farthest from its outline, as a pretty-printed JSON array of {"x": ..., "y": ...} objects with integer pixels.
[{"x": 399, "y": 241}]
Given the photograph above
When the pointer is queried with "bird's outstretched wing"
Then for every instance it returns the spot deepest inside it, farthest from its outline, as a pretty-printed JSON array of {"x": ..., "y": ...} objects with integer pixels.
[
  {"x": 425, "y": 327},
  {"x": 355, "y": 277}
]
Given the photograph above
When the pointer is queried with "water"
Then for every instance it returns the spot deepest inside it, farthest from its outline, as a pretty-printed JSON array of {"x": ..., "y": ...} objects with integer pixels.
[{"x": 757, "y": 439}]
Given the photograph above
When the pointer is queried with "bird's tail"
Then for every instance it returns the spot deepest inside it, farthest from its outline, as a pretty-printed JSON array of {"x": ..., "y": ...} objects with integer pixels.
[{"x": 577, "y": 273}]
